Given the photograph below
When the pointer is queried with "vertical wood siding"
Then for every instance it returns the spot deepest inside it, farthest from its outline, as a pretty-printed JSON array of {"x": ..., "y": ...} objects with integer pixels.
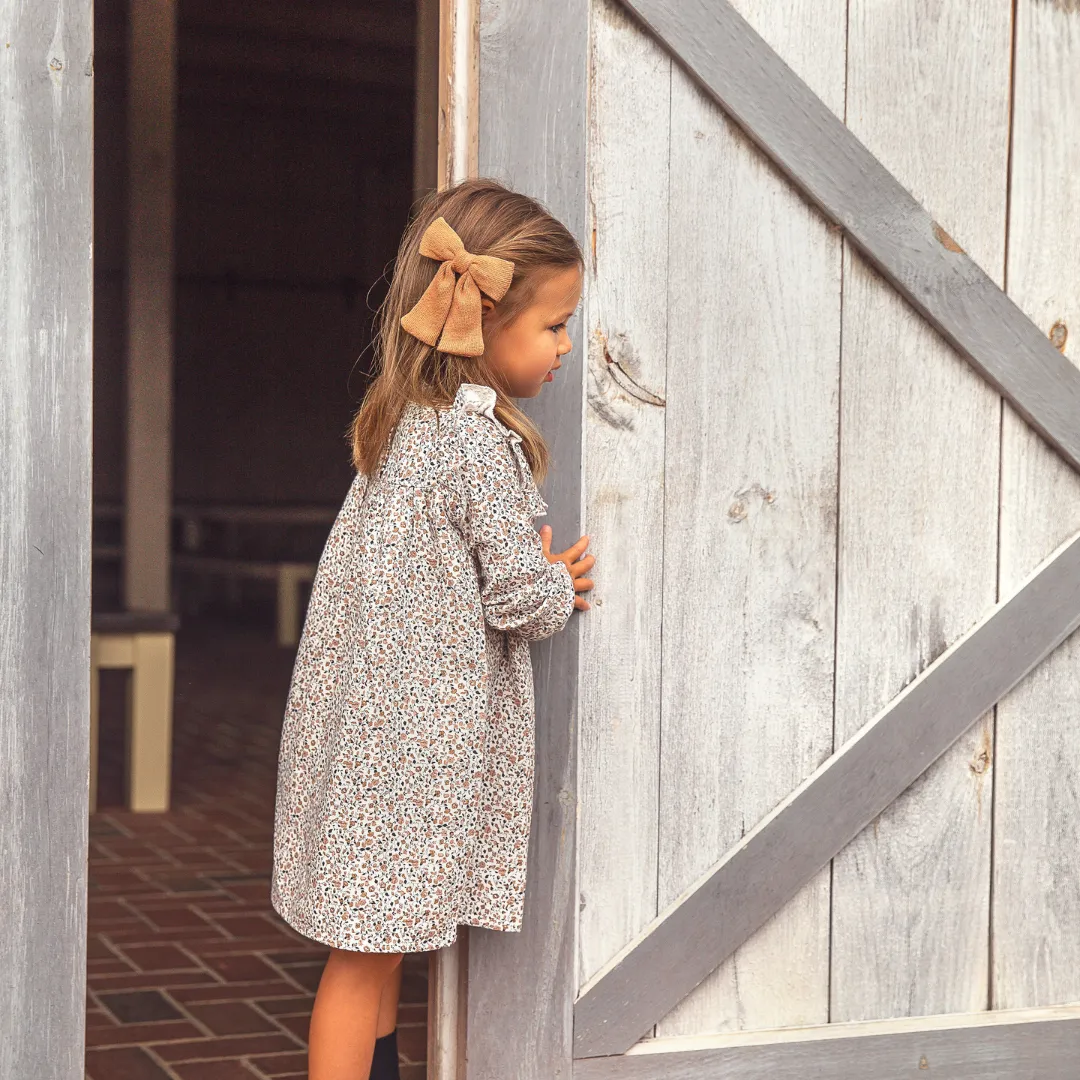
[
  {"x": 533, "y": 71},
  {"x": 1036, "y": 896},
  {"x": 825, "y": 463},
  {"x": 928, "y": 95},
  {"x": 711, "y": 465},
  {"x": 626, "y": 329},
  {"x": 750, "y": 522},
  {"x": 46, "y": 99},
  {"x": 782, "y": 853}
]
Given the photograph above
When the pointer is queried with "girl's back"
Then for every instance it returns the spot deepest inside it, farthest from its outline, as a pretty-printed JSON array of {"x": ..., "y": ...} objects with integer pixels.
[
  {"x": 401, "y": 674},
  {"x": 405, "y": 774}
]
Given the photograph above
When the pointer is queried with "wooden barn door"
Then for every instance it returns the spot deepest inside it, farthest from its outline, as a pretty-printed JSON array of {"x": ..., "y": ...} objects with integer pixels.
[
  {"x": 803, "y": 802},
  {"x": 46, "y": 156}
]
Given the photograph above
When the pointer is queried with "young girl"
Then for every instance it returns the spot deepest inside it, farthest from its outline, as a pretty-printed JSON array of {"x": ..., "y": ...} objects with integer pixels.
[{"x": 405, "y": 777}]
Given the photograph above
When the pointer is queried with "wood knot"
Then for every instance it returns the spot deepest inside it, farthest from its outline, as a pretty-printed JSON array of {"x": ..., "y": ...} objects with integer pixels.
[
  {"x": 945, "y": 240},
  {"x": 1059, "y": 334}
]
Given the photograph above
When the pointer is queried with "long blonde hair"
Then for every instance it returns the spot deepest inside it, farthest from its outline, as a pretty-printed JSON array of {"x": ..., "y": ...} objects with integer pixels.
[{"x": 491, "y": 220}]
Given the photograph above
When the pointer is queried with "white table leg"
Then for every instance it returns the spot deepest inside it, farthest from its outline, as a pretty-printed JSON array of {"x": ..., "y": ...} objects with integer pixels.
[
  {"x": 232, "y": 549},
  {"x": 95, "y": 699},
  {"x": 288, "y": 604},
  {"x": 150, "y": 720}
]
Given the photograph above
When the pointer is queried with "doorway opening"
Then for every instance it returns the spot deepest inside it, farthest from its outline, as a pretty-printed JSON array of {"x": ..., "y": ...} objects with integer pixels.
[{"x": 298, "y": 139}]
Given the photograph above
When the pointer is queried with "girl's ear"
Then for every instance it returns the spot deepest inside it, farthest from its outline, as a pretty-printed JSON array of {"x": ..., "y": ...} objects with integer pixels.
[{"x": 486, "y": 304}]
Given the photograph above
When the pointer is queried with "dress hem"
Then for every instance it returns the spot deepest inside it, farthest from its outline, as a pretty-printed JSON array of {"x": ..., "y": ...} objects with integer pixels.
[{"x": 443, "y": 941}]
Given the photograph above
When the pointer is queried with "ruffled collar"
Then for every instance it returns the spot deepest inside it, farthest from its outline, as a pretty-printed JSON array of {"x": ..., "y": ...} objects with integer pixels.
[{"x": 477, "y": 397}]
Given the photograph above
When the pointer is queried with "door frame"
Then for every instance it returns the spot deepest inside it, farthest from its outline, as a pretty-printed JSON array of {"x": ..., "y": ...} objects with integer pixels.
[
  {"x": 46, "y": 297},
  {"x": 457, "y": 141}
]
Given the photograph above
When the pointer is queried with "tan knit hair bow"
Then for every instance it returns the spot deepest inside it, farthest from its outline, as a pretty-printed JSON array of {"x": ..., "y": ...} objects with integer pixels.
[{"x": 449, "y": 313}]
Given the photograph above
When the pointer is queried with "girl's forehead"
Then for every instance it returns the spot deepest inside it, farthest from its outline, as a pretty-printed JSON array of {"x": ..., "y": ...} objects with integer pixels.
[{"x": 559, "y": 290}]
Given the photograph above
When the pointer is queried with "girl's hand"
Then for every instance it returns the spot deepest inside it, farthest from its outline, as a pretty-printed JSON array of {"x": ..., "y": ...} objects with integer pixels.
[{"x": 576, "y": 565}]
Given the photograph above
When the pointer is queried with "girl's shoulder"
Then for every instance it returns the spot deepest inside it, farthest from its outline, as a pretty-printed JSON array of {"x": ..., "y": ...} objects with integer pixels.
[
  {"x": 432, "y": 443},
  {"x": 471, "y": 402},
  {"x": 485, "y": 439},
  {"x": 442, "y": 446},
  {"x": 480, "y": 399}
]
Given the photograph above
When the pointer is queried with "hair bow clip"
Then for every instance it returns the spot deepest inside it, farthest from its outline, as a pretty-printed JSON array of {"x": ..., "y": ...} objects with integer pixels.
[{"x": 448, "y": 315}]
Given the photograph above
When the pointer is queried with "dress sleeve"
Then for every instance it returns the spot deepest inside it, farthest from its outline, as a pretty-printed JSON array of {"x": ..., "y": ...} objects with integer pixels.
[{"x": 520, "y": 590}]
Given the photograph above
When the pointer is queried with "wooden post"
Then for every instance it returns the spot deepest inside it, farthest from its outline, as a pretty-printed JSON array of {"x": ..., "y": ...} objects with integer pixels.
[
  {"x": 151, "y": 137},
  {"x": 456, "y": 159},
  {"x": 149, "y": 722},
  {"x": 459, "y": 90},
  {"x": 46, "y": 291},
  {"x": 521, "y": 985}
]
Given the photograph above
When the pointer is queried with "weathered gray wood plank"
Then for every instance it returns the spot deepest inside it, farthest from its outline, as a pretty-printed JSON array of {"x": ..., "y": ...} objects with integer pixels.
[
  {"x": 749, "y": 583},
  {"x": 46, "y": 154},
  {"x": 839, "y": 175},
  {"x": 772, "y": 862},
  {"x": 1036, "y": 874},
  {"x": 521, "y": 986},
  {"x": 1044, "y": 1047},
  {"x": 624, "y": 486},
  {"x": 910, "y": 926}
]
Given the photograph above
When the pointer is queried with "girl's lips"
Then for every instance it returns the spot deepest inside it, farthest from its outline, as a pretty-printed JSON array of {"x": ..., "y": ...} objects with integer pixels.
[{"x": 549, "y": 377}]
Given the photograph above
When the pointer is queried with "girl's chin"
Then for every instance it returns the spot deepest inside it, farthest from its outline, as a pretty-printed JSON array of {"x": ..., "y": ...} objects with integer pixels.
[{"x": 532, "y": 390}]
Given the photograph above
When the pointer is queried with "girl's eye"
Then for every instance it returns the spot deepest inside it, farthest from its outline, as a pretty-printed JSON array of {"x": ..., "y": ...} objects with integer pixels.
[{"x": 557, "y": 327}]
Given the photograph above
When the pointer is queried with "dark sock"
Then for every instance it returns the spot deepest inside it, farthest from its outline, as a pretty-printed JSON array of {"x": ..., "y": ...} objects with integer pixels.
[{"x": 384, "y": 1063}]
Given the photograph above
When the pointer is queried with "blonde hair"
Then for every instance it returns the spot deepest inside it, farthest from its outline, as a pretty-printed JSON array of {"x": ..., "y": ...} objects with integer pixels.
[{"x": 491, "y": 220}]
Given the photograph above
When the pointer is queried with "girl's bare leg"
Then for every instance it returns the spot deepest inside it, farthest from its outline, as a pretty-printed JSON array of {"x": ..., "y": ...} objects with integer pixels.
[
  {"x": 388, "y": 1006},
  {"x": 346, "y": 1012}
]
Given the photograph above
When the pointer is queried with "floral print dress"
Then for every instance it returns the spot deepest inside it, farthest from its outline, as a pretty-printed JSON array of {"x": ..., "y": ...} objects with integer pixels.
[{"x": 405, "y": 771}]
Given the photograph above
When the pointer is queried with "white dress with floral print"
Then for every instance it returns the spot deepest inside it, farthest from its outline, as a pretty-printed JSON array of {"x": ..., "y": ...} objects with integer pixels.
[{"x": 405, "y": 773}]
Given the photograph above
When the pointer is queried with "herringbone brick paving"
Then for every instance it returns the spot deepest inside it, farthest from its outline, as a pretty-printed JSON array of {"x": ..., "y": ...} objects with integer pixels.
[{"x": 191, "y": 974}]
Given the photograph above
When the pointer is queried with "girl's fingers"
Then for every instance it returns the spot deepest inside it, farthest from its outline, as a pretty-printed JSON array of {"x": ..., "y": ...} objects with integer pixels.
[
  {"x": 577, "y": 566},
  {"x": 574, "y": 550}
]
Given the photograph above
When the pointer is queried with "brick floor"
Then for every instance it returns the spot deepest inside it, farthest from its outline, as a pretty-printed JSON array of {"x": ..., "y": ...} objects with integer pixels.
[{"x": 191, "y": 974}]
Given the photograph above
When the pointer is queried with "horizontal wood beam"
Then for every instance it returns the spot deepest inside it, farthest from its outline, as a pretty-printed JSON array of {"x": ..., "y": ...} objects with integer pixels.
[
  {"x": 370, "y": 24},
  {"x": 371, "y": 107},
  {"x": 768, "y": 866},
  {"x": 332, "y": 63},
  {"x": 364, "y": 104},
  {"x": 339, "y": 62},
  {"x": 840, "y": 176},
  {"x": 282, "y": 20},
  {"x": 987, "y": 1046}
]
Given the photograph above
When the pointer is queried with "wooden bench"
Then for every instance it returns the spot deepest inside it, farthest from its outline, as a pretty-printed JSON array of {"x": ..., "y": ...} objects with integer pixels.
[
  {"x": 233, "y": 568},
  {"x": 141, "y": 642},
  {"x": 288, "y": 575}
]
